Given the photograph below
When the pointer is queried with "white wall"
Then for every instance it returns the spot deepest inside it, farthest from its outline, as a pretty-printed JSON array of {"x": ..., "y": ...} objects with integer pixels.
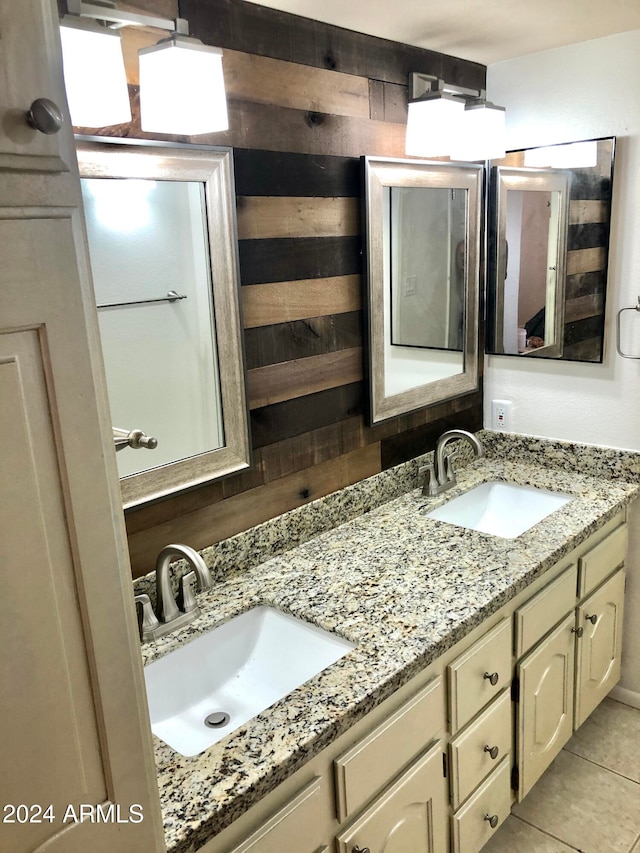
[{"x": 578, "y": 92}]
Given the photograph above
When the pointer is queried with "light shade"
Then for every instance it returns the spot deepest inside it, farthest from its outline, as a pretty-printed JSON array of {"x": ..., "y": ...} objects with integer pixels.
[
  {"x": 482, "y": 133},
  {"x": 432, "y": 125},
  {"x": 94, "y": 74},
  {"x": 182, "y": 87}
]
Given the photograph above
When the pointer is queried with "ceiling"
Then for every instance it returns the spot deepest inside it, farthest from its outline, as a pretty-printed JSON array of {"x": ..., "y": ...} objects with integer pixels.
[{"x": 484, "y": 31}]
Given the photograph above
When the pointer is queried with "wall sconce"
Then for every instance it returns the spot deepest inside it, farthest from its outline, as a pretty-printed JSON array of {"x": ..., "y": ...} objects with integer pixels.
[
  {"x": 447, "y": 120},
  {"x": 174, "y": 74}
]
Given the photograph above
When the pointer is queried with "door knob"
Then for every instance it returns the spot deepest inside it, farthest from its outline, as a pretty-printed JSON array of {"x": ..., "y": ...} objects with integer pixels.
[
  {"x": 578, "y": 631},
  {"x": 493, "y": 820},
  {"x": 357, "y": 849},
  {"x": 492, "y": 678},
  {"x": 593, "y": 618},
  {"x": 45, "y": 115}
]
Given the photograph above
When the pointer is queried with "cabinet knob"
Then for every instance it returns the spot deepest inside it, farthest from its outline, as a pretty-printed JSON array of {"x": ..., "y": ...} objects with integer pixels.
[
  {"x": 578, "y": 631},
  {"x": 492, "y": 750},
  {"x": 492, "y": 678},
  {"x": 357, "y": 849},
  {"x": 593, "y": 618},
  {"x": 44, "y": 115},
  {"x": 493, "y": 820}
]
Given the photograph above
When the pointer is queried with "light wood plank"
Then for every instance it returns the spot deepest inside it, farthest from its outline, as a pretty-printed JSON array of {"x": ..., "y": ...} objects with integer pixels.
[
  {"x": 290, "y": 379},
  {"x": 223, "y": 519},
  {"x": 261, "y": 217},
  {"x": 583, "y": 307},
  {"x": 285, "y": 301},
  {"x": 583, "y": 210},
  {"x": 263, "y": 80},
  {"x": 586, "y": 260}
]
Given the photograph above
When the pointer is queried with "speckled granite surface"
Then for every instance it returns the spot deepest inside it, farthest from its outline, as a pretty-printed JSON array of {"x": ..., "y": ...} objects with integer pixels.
[{"x": 401, "y": 586}]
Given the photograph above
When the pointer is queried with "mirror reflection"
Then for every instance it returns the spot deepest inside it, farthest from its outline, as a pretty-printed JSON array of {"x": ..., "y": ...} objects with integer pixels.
[
  {"x": 162, "y": 245},
  {"x": 423, "y": 282},
  {"x": 147, "y": 240},
  {"x": 568, "y": 322}
]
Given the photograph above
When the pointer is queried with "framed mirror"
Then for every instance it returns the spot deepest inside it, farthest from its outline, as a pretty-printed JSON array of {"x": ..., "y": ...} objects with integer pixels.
[
  {"x": 549, "y": 215},
  {"x": 162, "y": 244},
  {"x": 422, "y": 271}
]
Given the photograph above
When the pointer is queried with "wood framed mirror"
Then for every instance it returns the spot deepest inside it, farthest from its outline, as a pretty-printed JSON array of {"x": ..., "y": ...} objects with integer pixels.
[
  {"x": 423, "y": 227},
  {"x": 162, "y": 242}
]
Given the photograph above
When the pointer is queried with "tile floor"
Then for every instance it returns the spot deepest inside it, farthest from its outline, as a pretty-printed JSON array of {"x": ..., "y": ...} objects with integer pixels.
[{"x": 589, "y": 799}]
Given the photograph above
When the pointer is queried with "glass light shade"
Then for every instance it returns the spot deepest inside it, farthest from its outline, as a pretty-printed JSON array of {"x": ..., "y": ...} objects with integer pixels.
[
  {"x": 94, "y": 75},
  {"x": 182, "y": 88},
  {"x": 482, "y": 133},
  {"x": 432, "y": 125}
]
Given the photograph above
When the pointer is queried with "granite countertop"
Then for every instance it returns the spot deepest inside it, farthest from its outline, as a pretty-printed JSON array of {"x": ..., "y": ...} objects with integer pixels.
[{"x": 401, "y": 586}]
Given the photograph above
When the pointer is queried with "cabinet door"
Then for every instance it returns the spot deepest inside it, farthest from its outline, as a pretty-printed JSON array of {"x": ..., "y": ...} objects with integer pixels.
[
  {"x": 409, "y": 817},
  {"x": 77, "y": 750},
  {"x": 599, "y": 648},
  {"x": 545, "y": 708}
]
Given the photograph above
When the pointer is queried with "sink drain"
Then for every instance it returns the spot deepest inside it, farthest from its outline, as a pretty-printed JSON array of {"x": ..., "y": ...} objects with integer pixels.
[{"x": 217, "y": 720}]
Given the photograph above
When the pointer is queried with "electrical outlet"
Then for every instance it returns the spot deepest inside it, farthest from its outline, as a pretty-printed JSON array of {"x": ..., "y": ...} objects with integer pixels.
[{"x": 501, "y": 415}]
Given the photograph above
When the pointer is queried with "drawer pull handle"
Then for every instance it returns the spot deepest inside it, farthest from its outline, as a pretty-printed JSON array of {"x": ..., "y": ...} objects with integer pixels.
[
  {"x": 493, "y": 820},
  {"x": 357, "y": 849},
  {"x": 492, "y": 750},
  {"x": 593, "y": 618},
  {"x": 578, "y": 631},
  {"x": 492, "y": 678}
]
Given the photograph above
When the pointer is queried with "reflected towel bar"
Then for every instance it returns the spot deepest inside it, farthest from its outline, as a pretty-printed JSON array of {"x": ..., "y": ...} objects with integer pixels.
[
  {"x": 618, "y": 344},
  {"x": 171, "y": 296}
]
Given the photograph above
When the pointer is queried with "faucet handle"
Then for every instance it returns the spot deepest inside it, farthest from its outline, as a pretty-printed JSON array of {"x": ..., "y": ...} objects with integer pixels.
[
  {"x": 148, "y": 621},
  {"x": 186, "y": 597}
]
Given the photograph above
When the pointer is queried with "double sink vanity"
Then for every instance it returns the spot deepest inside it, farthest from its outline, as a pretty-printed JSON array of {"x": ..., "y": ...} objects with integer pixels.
[{"x": 411, "y": 677}]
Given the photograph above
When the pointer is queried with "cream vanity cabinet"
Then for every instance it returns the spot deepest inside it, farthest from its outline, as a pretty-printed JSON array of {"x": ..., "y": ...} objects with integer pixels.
[
  {"x": 568, "y": 645},
  {"x": 433, "y": 769}
]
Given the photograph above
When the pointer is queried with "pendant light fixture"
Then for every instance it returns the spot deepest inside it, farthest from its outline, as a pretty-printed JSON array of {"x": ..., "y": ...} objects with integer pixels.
[
  {"x": 452, "y": 121},
  {"x": 181, "y": 80}
]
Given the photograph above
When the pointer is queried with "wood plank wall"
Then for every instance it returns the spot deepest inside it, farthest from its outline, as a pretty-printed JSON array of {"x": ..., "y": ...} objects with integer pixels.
[{"x": 306, "y": 100}]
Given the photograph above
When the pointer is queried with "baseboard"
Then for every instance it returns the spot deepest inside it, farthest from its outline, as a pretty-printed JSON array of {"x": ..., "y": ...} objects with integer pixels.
[{"x": 627, "y": 697}]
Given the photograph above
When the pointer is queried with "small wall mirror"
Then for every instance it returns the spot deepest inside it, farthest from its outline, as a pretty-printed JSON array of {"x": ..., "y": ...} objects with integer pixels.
[
  {"x": 422, "y": 266},
  {"x": 549, "y": 214},
  {"x": 162, "y": 244}
]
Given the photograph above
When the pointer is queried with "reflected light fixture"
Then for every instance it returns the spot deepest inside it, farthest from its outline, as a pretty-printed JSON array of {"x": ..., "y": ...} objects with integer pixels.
[
  {"x": 569, "y": 155},
  {"x": 447, "y": 120},
  {"x": 181, "y": 81}
]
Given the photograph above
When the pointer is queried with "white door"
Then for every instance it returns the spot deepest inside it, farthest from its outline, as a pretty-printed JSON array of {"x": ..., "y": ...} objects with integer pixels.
[{"x": 76, "y": 755}]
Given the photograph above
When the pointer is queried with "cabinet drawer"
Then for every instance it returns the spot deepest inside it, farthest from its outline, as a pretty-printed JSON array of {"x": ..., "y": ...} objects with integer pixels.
[
  {"x": 368, "y": 766},
  {"x": 600, "y": 561},
  {"x": 411, "y": 815},
  {"x": 471, "y": 827},
  {"x": 472, "y": 750},
  {"x": 471, "y": 675},
  {"x": 297, "y": 826},
  {"x": 544, "y": 610}
]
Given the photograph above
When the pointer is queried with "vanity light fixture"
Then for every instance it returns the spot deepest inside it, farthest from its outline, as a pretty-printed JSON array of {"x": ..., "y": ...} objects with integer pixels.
[
  {"x": 447, "y": 120},
  {"x": 181, "y": 81}
]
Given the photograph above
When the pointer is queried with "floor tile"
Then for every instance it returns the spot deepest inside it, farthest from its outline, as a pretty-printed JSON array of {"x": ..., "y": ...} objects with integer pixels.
[
  {"x": 515, "y": 835},
  {"x": 610, "y": 738},
  {"x": 587, "y": 807}
]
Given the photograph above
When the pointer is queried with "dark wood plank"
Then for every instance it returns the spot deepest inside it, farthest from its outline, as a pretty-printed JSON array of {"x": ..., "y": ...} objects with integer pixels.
[
  {"x": 407, "y": 445},
  {"x": 582, "y": 330},
  {"x": 287, "y": 259},
  {"x": 585, "y": 284},
  {"x": 302, "y": 338},
  {"x": 586, "y": 184},
  {"x": 256, "y": 29},
  {"x": 588, "y": 235},
  {"x": 282, "y": 173},
  {"x": 273, "y": 424}
]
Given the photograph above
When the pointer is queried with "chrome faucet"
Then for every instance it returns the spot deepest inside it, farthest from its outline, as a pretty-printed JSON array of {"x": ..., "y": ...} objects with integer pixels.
[
  {"x": 440, "y": 476},
  {"x": 171, "y": 613}
]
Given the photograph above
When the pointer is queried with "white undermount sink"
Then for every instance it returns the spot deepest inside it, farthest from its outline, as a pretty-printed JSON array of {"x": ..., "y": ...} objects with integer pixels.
[
  {"x": 501, "y": 509},
  {"x": 238, "y": 669}
]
